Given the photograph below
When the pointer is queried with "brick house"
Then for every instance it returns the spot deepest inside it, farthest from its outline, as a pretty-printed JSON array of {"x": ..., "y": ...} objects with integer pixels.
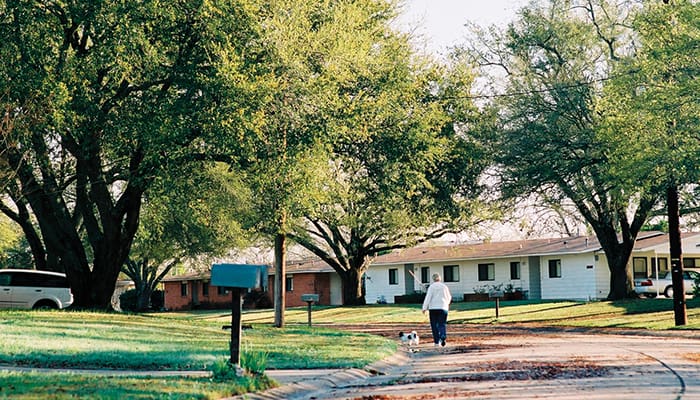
[{"x": 193, "y": 290}]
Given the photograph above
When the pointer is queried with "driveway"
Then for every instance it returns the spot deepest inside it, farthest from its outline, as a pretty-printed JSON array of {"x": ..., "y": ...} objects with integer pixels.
[{"x": 518, "y": 362}]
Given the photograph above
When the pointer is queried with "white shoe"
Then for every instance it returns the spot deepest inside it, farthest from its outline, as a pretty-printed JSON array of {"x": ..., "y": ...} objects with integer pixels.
[{"x": 437, "y": 344}]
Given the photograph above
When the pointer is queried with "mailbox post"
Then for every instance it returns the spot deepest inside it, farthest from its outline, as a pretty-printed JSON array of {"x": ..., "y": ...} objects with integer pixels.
[
  {"x": 237, "y": 277},
  {"x": 496, "y": 294},
  {"x": 309, "y": 299}
]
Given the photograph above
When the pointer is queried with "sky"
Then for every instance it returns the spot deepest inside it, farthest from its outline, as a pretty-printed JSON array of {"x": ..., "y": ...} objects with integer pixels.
[{"x": 441, "y": 22}]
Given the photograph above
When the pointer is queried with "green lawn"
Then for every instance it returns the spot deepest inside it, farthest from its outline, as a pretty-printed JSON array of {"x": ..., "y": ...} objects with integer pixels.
[
  {"x": 87, "y": 340},
  {"x": 195, "y": 341},
  {"x": 637, "y": 313}
]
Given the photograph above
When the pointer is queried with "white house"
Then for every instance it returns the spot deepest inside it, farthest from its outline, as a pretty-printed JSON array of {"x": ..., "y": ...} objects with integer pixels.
[{"x": 565, "y": 268}]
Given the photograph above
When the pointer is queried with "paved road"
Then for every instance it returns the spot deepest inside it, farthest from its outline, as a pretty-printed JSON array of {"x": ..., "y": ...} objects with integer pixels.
[{"x": 517, "y": 363}]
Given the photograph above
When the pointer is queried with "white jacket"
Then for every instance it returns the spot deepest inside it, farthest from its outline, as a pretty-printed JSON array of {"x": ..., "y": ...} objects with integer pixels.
[{"x": 438, "y": 297}]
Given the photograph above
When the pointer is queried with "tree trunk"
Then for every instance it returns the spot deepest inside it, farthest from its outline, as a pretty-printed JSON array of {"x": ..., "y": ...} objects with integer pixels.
[
  {"x": 618, "y": 255},
  {"x": 280, "y": 281},
  {"x": 674, "y": 237},
  {"x": 351, "y": 281},
  {"x": 620, "y": 282},
  {"x": 143, "y": 298}
]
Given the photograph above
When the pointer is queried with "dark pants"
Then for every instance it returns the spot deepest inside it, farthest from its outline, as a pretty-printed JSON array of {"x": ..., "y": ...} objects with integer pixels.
[{"x": 438, "y": 324}]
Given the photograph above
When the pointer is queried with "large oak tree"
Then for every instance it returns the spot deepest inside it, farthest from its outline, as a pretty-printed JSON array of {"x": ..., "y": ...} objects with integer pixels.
[
  {"x": 407, "y": 164},
  {"x": 101, "y": 96},
  {"x": 555, "y": 58}
]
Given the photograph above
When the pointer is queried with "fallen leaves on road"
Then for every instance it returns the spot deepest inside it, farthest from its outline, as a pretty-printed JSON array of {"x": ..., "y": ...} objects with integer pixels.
[{"x": 521, "y": 370}]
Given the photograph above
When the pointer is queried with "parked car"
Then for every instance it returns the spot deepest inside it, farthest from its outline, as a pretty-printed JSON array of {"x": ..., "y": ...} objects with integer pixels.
[
  {"x": 650, "y": 287},
  {"x": 31, "y": 289}
]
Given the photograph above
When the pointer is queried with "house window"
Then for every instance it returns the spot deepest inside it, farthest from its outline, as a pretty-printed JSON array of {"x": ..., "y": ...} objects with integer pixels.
[
  {"x": 639, "y": 267},
  {"x": 515, "y": 270},
  {"x": 555, "y": 268},
  {"x": 663, "y": 266},
  {"x": 424, "y": 274},
  {"x": 221, "y": 290},
  {"x": 691, "y": 262},
  {"x": 183, "y": 289},
  {"x": 289, "y": 283},
  {"x": 450, "y": 273},
  {"x": 205, "y": 289},
  {"x": 487, "y": 272},
  {"x": 393, "y": 276}
]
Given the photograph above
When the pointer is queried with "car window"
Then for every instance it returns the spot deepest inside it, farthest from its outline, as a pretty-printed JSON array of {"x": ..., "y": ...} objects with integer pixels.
[
  {"x": 38, "y": 280},
  {"x": 23, "y": 279},
  {"x": 691, "y": 275},
  {"x": 5, "y": 279}
]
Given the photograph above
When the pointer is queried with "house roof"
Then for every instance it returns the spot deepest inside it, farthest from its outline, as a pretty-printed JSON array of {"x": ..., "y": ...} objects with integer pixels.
[
  {"x": 650, "y": 241},
  {"x": 486, "y": 250},
  {"x": 190, "y": 276},
  {"x": 646, "y": 241},
  {"x": 293, "y": 267},
  {"x": 517, "y": 248}
]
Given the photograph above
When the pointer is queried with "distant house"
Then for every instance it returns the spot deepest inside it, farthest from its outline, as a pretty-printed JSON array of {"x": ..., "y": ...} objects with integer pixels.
[
  {"x": 310, "y": 277},
  {"x": 564, "y": 268},
  {"x": 572, "y": 268},
  {"x": 193, "y": 291}
]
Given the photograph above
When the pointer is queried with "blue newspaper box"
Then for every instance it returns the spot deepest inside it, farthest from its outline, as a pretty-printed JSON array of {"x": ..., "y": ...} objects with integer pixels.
[{"x": 239, "y": 275}]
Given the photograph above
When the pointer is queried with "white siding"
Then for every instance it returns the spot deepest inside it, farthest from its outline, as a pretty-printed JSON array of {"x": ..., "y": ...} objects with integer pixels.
[
  {"x": 602, "y": 274},
  {"x": 577, "y": 281},
  {"x": 377, "y": 284}
]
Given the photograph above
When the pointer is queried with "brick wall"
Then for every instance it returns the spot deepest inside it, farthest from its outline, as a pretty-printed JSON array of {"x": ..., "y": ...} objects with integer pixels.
[
  {"x": 305, "y": 283},
  {"x": 309, "y": 283},
  {"x": 174, "y": 300}
]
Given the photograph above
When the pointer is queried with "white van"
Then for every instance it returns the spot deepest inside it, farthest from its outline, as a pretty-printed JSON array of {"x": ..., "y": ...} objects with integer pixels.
[{"x": 32, "y": 289}]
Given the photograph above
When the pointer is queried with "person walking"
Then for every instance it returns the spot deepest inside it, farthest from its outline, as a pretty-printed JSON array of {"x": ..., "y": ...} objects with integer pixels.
[{"x": 437, "y": 303}]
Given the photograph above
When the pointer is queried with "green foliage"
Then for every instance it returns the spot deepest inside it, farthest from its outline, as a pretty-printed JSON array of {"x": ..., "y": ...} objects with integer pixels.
[
  {"x": 652, "y": 105},
  {"x": 106, "y": 98},
  {"x": 551, "y": 139},
  {"x": 128, "y": 301},
  {"x": 253, "y": 363},
  {"x": 402, "y": 166}
]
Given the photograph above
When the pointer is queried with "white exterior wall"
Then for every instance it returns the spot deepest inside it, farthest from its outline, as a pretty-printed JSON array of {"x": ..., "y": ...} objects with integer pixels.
[
  {"x": 578, "y": 277},
  {"x": 377, "y": 284},
  {"x": 602, "y": 276}
]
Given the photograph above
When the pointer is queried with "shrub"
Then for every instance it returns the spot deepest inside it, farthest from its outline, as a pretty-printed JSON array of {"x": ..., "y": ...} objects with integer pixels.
[
  {"x": 252, "y": 363},
  {"x": 128, "y": 300},
  {"x": 158, "y": 300},
  {"x": 257, "y": 299}
]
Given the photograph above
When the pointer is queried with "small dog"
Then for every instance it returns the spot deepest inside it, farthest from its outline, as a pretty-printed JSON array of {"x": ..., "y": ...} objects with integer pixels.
[{"x": 409, "y": 339}]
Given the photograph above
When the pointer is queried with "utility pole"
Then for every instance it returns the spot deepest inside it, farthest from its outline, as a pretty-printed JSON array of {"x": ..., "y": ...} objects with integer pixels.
[
  {"x": 674, "y": 239},
  {"x": 675, "y": 247}
]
